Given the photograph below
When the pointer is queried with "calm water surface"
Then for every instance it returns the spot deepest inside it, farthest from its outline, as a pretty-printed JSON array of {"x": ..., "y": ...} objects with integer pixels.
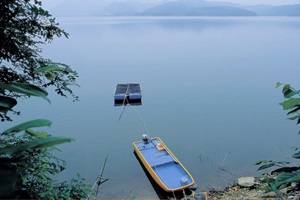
[{"x": 208, "y": 91}]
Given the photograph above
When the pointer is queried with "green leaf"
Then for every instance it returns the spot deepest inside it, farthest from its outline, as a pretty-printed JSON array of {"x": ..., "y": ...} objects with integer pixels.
[
  {"x": 273, "y": 187},
  {"x": 6, "y": 103},
  {"x": 286, "y": 88},
  {"x": 290, "y": 93},
  {"x": 294, "y": 110},
  {"x": 295, "y": 148},
  {"x": 37, "y": 133},
  {"x": 285, "y": 169},
  {"x": 262, "y": 161},
  {"x": 27, "y": 125},
  {"x": 296, "y": 155},
  {"x": 266, "y": 166},
  {"x": 288, "y": 177},
  {"x": 295, "y": 92},
  {"x": 282, "y": 162},
  {"x": 283, "y": 177},
  {"x": 295, "y": 178},
  {"x": 294, "y": 117},
  {"x": 35, "y": 144},
  {"x": 278, "y": 84},
  {"x": 25, "y": 88},
  {"x": 291, "y": 103},
  {"x": 50, "y": 76},
  {"x": 47, "y": 68}
]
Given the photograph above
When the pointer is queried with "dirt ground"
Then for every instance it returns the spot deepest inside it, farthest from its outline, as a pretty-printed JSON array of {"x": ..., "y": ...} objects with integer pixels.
[
  {"x": 236, "y": 192},
  {"x": 239, "y": 193}
]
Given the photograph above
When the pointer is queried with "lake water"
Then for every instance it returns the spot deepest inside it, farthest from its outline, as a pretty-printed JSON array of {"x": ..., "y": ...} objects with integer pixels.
[{"x": 208, "y": 91}]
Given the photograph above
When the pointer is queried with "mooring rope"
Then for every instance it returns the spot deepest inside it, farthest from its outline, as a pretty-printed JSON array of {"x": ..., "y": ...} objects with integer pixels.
[
  {"x": 141, "y": 118},
  {"x": 123, "y": 104},
  {"x": 185, "y": 197},
  {"x": 174, "y": 194},
  {"x": 100, "y": 178}
]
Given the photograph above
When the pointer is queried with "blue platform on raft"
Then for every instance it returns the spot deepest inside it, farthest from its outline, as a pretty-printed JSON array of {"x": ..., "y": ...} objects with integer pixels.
[{"x": 129, "y": 93}]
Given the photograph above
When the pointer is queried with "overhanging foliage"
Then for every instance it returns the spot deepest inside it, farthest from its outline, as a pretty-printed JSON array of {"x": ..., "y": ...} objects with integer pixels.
[{"x": 24, "y": 27}]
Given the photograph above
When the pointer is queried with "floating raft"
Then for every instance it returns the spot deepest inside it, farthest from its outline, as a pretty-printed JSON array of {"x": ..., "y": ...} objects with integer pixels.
[
  {"x": 129, "y": 93},
  {"x": 162, "y": 165}
]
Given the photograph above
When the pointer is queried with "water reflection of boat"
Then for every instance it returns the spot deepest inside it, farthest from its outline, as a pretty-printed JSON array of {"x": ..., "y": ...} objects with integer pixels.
[{"x": 164, "y": 168}]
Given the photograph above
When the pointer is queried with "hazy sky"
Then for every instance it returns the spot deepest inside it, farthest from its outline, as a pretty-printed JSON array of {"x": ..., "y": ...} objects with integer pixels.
[
  {"x": 243, "y": 2},
  {"x": 273, "y": 2}
]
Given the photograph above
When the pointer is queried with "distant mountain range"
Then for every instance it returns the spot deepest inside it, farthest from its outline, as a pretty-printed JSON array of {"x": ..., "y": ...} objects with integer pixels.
[
  {"x": 267, "y": 10},
  {"x": 193, "y": 8},
  {"x": 172, "y": 8}
]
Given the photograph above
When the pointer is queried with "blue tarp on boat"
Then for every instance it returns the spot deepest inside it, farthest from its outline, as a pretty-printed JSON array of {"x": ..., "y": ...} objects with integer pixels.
[{"x": 162, "y": 165}]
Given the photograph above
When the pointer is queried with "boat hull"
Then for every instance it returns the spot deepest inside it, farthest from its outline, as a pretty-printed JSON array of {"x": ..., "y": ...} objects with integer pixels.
[{"x": 165, "y": 169}]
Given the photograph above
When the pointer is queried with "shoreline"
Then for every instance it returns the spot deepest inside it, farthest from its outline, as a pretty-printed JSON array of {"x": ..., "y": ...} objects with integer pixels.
[{"x": 253, "y": 190}]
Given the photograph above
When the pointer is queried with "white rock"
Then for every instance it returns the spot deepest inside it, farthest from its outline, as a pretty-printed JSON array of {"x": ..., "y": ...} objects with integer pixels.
[{"x": 246, "y": 181}]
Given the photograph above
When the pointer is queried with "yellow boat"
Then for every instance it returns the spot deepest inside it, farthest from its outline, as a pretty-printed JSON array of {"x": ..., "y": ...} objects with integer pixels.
[{"x": 166, "y": 170}]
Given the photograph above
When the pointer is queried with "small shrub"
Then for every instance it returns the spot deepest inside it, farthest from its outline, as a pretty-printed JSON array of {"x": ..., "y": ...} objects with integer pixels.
[{"x": 285, "y": 175}]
